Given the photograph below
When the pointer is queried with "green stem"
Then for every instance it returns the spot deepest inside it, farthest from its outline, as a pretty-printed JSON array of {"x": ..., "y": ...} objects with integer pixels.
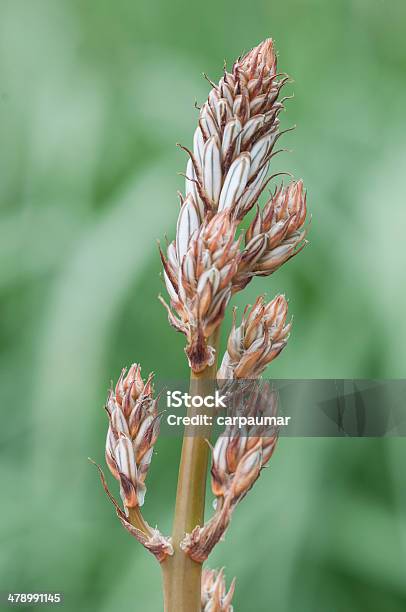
[{"x": 181, "y": 575}]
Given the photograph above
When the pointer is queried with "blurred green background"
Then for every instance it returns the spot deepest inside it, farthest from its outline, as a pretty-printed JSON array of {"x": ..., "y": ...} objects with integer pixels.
[{"x": 93, "y": 97}]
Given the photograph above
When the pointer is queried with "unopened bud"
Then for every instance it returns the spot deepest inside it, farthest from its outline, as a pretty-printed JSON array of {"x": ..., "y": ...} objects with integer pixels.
[{"x": 133, "y": 430}]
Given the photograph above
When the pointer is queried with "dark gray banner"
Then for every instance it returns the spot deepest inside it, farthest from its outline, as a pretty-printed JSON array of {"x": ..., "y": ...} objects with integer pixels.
[{"x": 295, "y": 408}]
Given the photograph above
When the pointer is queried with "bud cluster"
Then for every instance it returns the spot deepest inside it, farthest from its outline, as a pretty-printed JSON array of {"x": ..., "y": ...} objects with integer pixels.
[
  {"x": 215, "y": 597},
  {"x": 227, "y": 171},
  {"x": 260, "y": 338},
  {"x": 240, "y": 453},
  {"x": 238, "y": 458},
  {"x": 275, "y": 235},
  {"x": 237, "y": 131},
  {"x": 132, "y": 433},
  {"x": 200, "y": 281},
  {"x": 225, "y": 176}
]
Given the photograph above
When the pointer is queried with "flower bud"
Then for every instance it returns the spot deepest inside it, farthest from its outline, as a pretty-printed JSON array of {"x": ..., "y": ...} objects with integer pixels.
[
  {"x": 132, "y": 433},
  {"x": 279, "y": 228},
  {"x": 215, "y": 597},
  {"x": 262, "y": 335}
]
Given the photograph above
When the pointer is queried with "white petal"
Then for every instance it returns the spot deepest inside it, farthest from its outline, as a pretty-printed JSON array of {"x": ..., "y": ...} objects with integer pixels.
[
  {"x": 171, "y": 256},
  {"x": 225, "y": 371},
  {"x": 251, "y": 194},
  {"x": 198, "y": 144},
  {"x": 212, "y": 173},
  {"x": 188, "y": 223},
  {"x": 226, "y": 93},
  {"x": 231, "y": 132},
  {"x": 220, "y": 301},
  {"x": 140, "y": 490},
  {"x": 257, "y": 245},
  {"x": 125, "y": 458},
  {"x": 110, "y": 442},
  {"x": 206, "y": 258},
  {"x": 207, "y": 122},
  {"x": 237, "y": 105},
  {"x": 257, "y": 103},
  {"x": 189, "y": 267},
  {"x": 191, "y": 188},
  {"x": 235, "y": 181},
  {"x": 214, "y": 97},
  {"x": 190, "y": 176},
  {"x": 257, "y": 343},
  {"x": 170, "y": 288},
  {"x": 119, "y": 423},
  {"x": 250, "y": 462},
  {"x": 146, "y": 460},
  {"x": 211, "y": 276},
  {"x": 259, "y": 152},
  {"x": 251, "y": 127},
  {"x": 223, "y": 111},
  {"x": 182, "y": 293},
  {"x": 142, "y": 431},
  {"x": 280, "y": 251},
  {"x": 275, "y": 229},
  {"x": 219, "y": 453}
]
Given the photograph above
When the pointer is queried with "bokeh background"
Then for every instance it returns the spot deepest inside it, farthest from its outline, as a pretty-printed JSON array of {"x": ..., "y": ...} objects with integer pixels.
[{"x": 93, "y": 97}]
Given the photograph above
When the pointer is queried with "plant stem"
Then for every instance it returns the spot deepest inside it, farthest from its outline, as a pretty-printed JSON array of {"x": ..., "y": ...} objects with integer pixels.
[{"x": 181, "y": 575}]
